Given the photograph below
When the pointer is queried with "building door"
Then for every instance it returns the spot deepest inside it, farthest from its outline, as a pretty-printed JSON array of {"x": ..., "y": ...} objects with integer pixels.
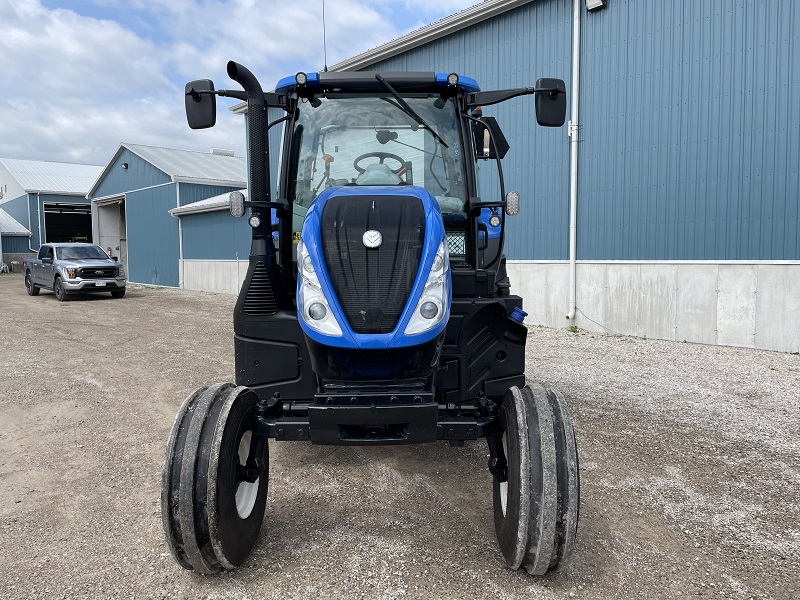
[{"x": 111, "y": 229}]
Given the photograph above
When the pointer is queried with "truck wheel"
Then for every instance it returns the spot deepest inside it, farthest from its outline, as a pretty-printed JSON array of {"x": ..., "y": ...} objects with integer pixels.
[
  {"x": 30, "y": 287},
  {"x": 58, "y": 290},
  {"x": 118, "y": 293},
  {"x": 536, "y": 509},
  {"x": 211, "y": 515}
]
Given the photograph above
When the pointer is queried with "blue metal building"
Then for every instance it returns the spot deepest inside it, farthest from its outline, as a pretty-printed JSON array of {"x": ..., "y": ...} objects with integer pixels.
[
  {"x": 668, "y": 207},
  {"x": 133, "y": 195},
  {"x": 46, "y": 202}
]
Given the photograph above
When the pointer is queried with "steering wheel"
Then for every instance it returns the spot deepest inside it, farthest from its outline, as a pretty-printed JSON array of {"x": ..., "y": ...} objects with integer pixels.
[{"x": 381, "y": 156}]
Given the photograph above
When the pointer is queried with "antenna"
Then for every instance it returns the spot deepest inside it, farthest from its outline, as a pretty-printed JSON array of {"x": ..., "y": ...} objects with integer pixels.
[{"x": 324, "y": 41}]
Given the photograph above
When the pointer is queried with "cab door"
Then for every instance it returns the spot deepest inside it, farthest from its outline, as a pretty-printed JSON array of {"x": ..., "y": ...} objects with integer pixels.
[{"x": 46, "y": 267}]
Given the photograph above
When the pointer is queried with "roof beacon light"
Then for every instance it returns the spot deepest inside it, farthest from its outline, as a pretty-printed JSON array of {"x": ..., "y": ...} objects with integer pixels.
[
  {"x": 301, "y": 79},
  {"x": 236, "y": 200},
  {"x": 452, "y": 79}
]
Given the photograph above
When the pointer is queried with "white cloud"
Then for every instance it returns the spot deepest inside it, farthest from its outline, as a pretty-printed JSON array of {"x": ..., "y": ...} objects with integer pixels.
[{"x": 75, "y": 86}]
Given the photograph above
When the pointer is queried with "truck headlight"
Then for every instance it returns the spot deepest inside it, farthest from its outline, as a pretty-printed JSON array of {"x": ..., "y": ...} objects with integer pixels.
[
  {"x": 430, "y": 308},
  {"x": 71, "y": 272},
  {"x": 312, "y": 306},
  {"x": 121, "y": 272}
]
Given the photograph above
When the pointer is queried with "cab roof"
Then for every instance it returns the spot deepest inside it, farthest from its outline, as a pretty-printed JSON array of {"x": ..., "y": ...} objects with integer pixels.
[{"x": 365, "y": 80}]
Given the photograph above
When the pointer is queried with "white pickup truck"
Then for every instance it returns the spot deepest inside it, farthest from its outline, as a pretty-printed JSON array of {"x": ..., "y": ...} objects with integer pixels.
[{"x": 73, "y": 268}]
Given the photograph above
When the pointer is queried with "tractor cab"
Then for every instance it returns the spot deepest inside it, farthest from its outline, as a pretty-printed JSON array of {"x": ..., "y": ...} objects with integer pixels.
[{"x": 376, "y": 309}]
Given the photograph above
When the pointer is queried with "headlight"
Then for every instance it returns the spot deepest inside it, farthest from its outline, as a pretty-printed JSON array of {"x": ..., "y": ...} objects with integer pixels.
[
  {"x": 312, "y": 306},
  {"x": 431, "y": 306},
  {"x": 121, "y": 272},
  {"x": 71, "y": 272}
]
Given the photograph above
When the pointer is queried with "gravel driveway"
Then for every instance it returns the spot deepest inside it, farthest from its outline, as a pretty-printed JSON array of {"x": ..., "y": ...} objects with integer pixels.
[{"x": 690, "y": 467}]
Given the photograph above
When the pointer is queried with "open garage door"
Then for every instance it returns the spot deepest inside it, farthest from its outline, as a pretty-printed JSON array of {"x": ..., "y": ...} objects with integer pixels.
[
  {"x": 111, "y": 228},
  {"x": 67, "y": 222}
]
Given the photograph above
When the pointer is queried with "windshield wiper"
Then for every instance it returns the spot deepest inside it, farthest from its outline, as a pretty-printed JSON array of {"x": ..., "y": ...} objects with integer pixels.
[{"x": 408, "y": 110}]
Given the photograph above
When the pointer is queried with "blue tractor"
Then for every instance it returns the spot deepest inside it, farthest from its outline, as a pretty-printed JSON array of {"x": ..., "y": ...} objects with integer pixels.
[{"x": 376, "y": 309}]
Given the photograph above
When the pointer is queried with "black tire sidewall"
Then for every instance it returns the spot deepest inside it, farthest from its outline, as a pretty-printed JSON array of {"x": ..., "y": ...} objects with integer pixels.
[
  {"x": 232, "y": 536},
  {"x": 512, "y": 528}
]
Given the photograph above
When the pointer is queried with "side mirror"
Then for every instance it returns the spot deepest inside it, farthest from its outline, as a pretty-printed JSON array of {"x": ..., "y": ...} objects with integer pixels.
[
  {"x": 201, "y": 106},
  {"x": 115, "y": 258},
  {"x": 47, "y": 261},
  {"x": 551, "y": 107}
]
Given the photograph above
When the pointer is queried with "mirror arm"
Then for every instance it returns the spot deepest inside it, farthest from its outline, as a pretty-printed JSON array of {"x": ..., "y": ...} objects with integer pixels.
[
  {"x": 496, "y": 97},
  {"x": 270, "y": 99}
]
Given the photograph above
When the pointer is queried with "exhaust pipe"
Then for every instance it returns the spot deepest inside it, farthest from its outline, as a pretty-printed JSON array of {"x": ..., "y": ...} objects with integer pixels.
[{"x": 258, "y": 150}]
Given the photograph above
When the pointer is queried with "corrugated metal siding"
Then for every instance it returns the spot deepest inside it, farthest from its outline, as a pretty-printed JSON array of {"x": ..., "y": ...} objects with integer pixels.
[
  {"x": 192, "y": 192},
  {"x": 139, "y": 174},
  {"x": 215, "y": 236},
  {"x": 153, "y": 249},
  {"x": 690, "y": 130},
  {"x": 513, "y": 50},
  {"x": 15, "y": 244}
]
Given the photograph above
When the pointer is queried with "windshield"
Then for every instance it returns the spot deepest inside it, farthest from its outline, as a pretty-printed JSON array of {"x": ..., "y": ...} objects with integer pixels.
[
  {"x": 80, "y": 252},
  {"x": 355, "y": 139}
]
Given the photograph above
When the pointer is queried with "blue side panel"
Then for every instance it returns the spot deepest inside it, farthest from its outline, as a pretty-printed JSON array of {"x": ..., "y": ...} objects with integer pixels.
[
  {"x": 139, "y": 174},
  {"x": 215, "y": 236},
  {"x": 153, "y": 248},
  {"x": 16, "y": 244},
  {"x": 192, "y": 192},
  {"x": 512, "y": 50},
  {"x": 18, "y": 209},
  {"x": 690, "y": 131}
]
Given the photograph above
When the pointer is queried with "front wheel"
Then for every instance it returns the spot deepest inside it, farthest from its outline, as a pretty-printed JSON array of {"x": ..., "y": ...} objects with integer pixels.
[
  {"x": 58, "y": 290},
  {"x": 536, "y": 508},
  {"x": 30, "y": 287},
  {"x": 211, "y": 513}
]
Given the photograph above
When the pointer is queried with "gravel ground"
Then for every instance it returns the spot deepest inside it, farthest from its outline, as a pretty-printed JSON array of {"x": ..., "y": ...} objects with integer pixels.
[{"x": 689, "y": 464}]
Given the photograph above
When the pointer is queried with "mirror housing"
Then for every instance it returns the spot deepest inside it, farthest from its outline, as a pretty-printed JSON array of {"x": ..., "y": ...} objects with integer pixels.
[
  {"x": 47, "y": 261},
  {"x": 484, "y": 148},
  {"x": 201, "y": 105},
  {"x": 551, "y": 107}
]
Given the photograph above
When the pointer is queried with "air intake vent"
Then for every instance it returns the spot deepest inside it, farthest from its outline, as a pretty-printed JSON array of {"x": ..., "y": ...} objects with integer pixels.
[{"x": 260, "y": 300}]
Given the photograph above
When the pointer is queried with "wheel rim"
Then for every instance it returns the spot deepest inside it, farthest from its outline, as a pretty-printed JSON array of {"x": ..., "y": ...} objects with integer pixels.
[
  {"x": 504, "y": 484},
  {"x": 28, "y": 282},
  {"x": 246, "y": 492}
]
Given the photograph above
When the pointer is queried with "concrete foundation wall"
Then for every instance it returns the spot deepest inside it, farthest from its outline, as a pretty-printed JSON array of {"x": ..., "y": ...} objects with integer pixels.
[
  {"x": 221, "y": 276},
  {"x": 748, "y": 304}
]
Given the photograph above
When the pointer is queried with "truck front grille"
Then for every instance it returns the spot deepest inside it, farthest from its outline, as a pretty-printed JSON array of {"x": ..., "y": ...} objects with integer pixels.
[
  {"x": 97, "y": 272},
  {"x": 373, "y": 284}
]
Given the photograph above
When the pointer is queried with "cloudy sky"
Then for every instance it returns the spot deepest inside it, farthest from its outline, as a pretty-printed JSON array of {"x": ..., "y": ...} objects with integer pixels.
[{"x": 79, "y": 77}]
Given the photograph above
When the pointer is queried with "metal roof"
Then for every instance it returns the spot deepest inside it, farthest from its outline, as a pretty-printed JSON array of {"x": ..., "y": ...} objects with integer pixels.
[
  {"x": 220, "y": 202},
  {"x": 186, "y": 165},
  {"x": 460, "y": 20},
  {"x": 10, "y": 226},
  {"x": 52, "y": 177}
]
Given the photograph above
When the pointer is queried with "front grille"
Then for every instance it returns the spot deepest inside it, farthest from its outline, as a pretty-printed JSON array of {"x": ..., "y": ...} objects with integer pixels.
[
  {"x": 373, "y": 284},
  {"x": 259, "y": 299},
  {"x": 97, "y": 272}
]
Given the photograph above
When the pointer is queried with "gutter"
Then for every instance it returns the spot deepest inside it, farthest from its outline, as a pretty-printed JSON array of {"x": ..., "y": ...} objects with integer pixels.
[{"x": 448, "y": 25}]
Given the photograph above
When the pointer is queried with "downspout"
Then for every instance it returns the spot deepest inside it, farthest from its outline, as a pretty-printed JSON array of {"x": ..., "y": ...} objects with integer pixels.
[
  {"x": 180, "y": 235},
  {"x": 30, "y": 231},
  {"x": 39, "y": 216},
  {"x": 573, "y": 160}
]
